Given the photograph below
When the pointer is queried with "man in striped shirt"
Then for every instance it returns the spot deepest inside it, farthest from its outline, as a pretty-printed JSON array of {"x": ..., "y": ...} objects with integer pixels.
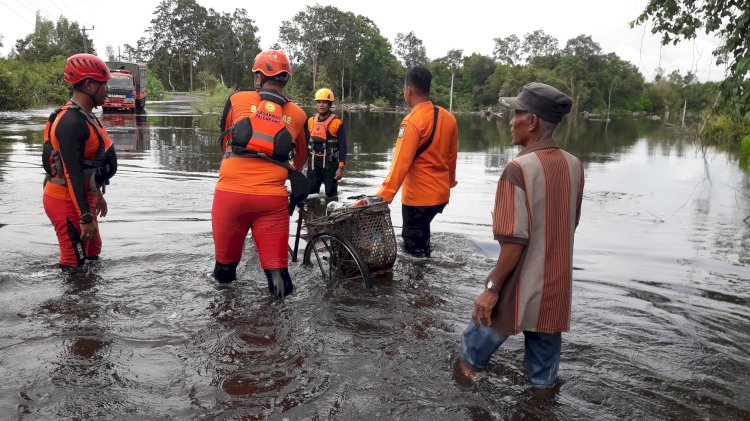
[{"x": 537, "y": 209}]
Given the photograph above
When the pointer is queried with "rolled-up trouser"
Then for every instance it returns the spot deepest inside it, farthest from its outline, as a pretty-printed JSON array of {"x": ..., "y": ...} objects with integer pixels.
[
  {"x": 416, "y": 228},
  {"x": 65, "y": 219},
  {"x": 233, "y": 214},
  {"x": 541, "y": 352}
]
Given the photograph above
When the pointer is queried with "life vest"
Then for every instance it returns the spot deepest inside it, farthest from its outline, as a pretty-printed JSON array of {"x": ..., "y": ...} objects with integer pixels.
[
  {"x": 263, "y": 133},
  {"x": 323, "y": 145},
  {"x": 52, "y": 160}
]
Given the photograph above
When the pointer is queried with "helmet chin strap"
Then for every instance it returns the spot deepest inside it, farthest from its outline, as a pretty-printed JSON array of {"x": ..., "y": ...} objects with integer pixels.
[
  {"x": 264, "y": 79},
  {"x": 93, "y": 97},
  {"x": 257, "y": 84}
]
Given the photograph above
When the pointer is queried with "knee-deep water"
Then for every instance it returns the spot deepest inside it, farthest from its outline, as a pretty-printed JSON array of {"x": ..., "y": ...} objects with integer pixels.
[{"x": 660, "y": 321}]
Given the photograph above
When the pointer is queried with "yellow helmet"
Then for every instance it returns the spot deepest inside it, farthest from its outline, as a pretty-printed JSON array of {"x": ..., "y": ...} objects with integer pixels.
[{"x": 324, "y": 94}]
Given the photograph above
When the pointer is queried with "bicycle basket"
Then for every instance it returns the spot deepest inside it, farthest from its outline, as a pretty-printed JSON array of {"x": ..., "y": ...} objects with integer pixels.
[{"x": 368, "y": 228}]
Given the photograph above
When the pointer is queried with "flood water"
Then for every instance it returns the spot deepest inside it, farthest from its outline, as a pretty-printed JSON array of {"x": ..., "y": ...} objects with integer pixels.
[{"x": 660, "y": 321}]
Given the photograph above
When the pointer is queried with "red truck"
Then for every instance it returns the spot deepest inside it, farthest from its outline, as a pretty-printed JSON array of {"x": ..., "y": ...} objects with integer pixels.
[{"x": 128, "y": 87}]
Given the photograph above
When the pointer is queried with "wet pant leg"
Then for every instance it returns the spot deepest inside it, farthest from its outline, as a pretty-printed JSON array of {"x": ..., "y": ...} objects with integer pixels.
[
  {"x": 542, "y": 357},
  {"x": 230, "y": 221},
  {"x": 93, "y": 247},
  {"x": 541, "y": 352},
  {"x": 234, "y": 214},
  {"x": 65, "y": 219},
  {"x": 416, "y": 228},
  {"x": 270, "y": 227},
  {"x": 329, "y": 178},
  {"x": 478, "y": 344},
  {"x": 315, "y": 176}
]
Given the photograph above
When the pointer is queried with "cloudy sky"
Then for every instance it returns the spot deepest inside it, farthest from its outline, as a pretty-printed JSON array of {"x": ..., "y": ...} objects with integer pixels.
[{"x": 470, "y": 25}]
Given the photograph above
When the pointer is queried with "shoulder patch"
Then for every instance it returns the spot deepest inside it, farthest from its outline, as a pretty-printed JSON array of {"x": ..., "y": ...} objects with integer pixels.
[{"x": 401, "y": 130}]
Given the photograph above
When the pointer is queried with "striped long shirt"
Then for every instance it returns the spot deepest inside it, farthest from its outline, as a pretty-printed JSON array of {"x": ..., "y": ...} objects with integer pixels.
[{"x": 538, "y": 204}]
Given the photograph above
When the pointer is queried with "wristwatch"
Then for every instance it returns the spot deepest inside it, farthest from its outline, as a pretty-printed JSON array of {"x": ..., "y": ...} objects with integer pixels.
[
  {"x": 87, "y": 218},
  {"x": 490, "y": 286}
]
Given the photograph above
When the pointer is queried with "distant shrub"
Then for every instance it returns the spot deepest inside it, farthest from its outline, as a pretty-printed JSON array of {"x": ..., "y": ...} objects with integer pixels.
[
  {"x": 155, "y": 88},
  {"x": 381, "y": 102},
  {"x": 25, "y": 85},
  {"x": 214, "y": 103},
  {"x": 745, "y": 146},
  {"x": 206, "y": 82},
  {"x": 724, "y": 129}
]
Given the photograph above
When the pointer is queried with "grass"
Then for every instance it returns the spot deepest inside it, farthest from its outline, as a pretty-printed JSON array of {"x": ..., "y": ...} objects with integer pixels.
[{"x": 214, "y": 102}]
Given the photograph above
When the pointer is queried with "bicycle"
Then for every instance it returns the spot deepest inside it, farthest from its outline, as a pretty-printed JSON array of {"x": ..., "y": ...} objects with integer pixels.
[{"x": 349, "y": 243}]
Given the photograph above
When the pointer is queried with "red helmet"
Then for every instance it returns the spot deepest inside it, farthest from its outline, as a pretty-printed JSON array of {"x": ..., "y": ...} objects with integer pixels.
[
  {"x": 86, "y": 66},
  {"x": 272, "y": 63}
]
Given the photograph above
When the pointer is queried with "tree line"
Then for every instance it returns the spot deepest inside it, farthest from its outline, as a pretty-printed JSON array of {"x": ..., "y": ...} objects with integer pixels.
[{"x": 189, "y": 47}]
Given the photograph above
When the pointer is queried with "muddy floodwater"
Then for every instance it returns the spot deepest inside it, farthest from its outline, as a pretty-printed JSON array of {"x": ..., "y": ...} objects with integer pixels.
[{"x": 660, "y": 321}]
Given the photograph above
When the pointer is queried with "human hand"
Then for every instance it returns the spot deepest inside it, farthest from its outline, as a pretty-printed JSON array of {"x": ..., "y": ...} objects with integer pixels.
[
  {"x": 88, "y": 231},
  {"x": 100, "y": 206},
  {"x": 483, "y": 306},
  {"x": 339, "y": 173}
]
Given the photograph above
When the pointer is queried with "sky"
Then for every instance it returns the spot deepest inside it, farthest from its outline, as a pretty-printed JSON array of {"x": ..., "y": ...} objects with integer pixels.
[{"x": 470, "y": 25}]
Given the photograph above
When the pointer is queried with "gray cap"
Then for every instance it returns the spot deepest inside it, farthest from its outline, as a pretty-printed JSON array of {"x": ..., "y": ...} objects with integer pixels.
[{"x": 541, "y": 99}]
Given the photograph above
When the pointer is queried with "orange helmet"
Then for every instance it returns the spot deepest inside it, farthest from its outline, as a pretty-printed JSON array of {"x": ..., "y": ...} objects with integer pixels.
[
  {"x": 85, "y": 66},
  {"x": 272, "y": 63}
]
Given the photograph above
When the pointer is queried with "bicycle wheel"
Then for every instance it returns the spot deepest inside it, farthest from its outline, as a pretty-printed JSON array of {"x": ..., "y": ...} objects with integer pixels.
[{"x": 337, "y": 259}]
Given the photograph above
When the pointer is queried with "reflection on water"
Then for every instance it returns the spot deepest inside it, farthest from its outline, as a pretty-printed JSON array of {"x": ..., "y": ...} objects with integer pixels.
[{"x": 660, "y": 309}]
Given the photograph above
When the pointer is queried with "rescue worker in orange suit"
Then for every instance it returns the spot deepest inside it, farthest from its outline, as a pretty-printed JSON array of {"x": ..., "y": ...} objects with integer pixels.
[
  {"x": 326, "y": 146},
  {"x": 79, "y": 159},
  {"x": 250, "y": 193},
  {"x": 424, "y": 162}
]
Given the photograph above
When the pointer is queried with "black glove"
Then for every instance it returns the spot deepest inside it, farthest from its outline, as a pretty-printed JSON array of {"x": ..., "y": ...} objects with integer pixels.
[{"x": 300, "y": 189}]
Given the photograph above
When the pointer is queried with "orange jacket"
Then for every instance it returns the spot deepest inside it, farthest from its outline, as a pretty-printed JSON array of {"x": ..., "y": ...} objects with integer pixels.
[
  {"x": 255, "y": 175},
  {"x": 426, "y": 180}
]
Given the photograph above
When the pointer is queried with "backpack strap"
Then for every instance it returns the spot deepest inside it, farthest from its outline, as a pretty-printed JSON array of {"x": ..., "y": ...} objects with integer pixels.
[
  {"x": 273, "y": 96},
  {"x": 428, "y": 142}
]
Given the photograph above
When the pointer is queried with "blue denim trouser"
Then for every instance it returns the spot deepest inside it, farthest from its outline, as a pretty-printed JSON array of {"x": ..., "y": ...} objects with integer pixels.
[{"x": 541, "y": 359}]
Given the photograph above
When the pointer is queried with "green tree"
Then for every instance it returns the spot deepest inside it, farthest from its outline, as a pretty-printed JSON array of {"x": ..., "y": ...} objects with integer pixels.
[
  {"x": 583, "y": 47},
  {"x": 138, "y": 53},
  {"x": 453, "y": 59},
  {"x": 411, "y": 50},
  {"x": 227, "y": 47},
  {"x": 507, "y": 50},
  {"x": 377, "y": 71},
  {"x": 327, "y": 38},
  {"x": 677, "y": 20},
  {"x": 303, "y": 37},
  {"x": 174, "y": 36},
  {"x": 63, "y": 38},
  {"x": 477, "y": 69},
  {"x": 539, "y": 44}
]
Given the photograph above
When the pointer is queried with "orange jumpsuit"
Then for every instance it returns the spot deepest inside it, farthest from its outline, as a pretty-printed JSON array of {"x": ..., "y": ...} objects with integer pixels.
[{"x": 251, "y": 192}]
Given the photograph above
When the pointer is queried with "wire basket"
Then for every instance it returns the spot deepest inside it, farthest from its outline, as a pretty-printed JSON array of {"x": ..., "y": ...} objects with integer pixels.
[{"x": 368, "y": 228}]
